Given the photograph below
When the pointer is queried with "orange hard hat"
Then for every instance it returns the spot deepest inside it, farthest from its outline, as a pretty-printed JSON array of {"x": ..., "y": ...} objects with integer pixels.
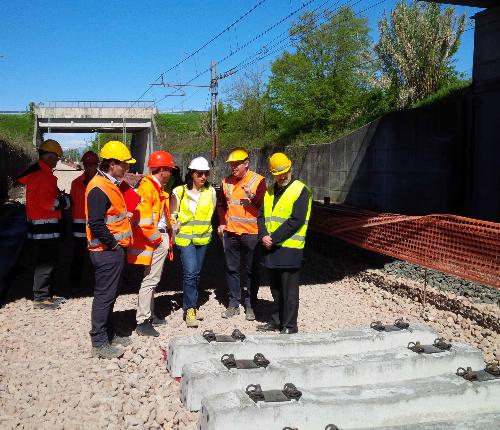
[
  {"x": 161, "y": 159},
  {"x": 90, "y": 157}
]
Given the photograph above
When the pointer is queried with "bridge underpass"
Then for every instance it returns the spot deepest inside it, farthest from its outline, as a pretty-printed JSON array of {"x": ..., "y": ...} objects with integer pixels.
[{"x": 136, "y": 118}]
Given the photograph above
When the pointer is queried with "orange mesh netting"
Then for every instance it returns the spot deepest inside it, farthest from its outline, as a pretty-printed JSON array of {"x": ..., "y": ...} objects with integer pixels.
[{"x": 465, "y": 247}]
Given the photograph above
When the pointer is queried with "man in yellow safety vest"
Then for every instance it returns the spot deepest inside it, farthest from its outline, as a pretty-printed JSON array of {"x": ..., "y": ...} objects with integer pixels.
[{"x": 282, "y": 222}]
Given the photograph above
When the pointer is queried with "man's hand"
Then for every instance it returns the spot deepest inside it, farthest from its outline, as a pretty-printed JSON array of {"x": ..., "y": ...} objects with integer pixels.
[
  {"x": 248, "y": 191},
  {"x": 221, "y": 229},
  {"x": 267, "y": 241}
]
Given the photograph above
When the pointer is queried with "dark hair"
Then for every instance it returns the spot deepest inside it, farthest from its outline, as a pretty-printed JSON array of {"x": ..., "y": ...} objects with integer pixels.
[
  {"x": 106, "y": 162},
  {"x": 188, "y": 179}
]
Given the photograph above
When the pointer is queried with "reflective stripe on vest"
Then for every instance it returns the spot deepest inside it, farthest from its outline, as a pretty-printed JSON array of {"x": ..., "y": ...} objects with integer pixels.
[
  {"x": 140, "y": 252},
  {"x": 243, "y": 220},
  {"x": 195, "y": 228},
  {"x": 117, "y": 236},
  {"x": 276, "y": 214},
  {"x": 110, "y": 219},
  {"x": 79, "y": 228},
  {"x": 43, "y": 229}
]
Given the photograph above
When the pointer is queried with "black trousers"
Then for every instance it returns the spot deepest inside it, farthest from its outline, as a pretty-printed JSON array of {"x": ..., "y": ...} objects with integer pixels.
[
  {"x": 44, "y": 258},
  {"x": 285, "y": 292},
  {"x": 108, "y": 266},
  {"x": 239, "y": 251}
]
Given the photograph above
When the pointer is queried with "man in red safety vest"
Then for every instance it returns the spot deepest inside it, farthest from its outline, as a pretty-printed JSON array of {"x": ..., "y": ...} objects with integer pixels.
[
  {"x": 44, "y": 202},
  {"x": 81, "y": 262}
]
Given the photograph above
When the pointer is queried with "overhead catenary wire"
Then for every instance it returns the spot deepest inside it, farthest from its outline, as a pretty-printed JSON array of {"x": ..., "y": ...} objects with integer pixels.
[{"x": 248, "y": 12}]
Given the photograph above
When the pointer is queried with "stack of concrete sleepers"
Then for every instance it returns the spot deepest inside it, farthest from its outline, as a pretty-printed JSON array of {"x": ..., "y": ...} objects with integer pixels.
[{"x": 349, "y": 379}]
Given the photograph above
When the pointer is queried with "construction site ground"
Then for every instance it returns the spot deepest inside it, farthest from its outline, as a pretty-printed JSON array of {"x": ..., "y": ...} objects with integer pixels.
[{"x": 48, "y": 378}]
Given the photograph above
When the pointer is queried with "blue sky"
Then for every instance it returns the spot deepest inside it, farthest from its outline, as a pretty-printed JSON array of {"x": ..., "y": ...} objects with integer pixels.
[{"x": 111, "y": 50}]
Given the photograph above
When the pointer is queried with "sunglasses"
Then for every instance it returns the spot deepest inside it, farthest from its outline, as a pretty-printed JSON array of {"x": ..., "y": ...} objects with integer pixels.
[{"x": 199, "y": 173}]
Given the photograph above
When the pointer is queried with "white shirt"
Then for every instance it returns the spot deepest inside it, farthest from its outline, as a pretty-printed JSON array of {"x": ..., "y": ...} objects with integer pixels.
[{"x": 162, "y": 223}]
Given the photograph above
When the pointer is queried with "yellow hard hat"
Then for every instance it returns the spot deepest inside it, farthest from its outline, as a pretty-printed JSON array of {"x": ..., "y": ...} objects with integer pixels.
[
  {"x": 116, "y": 150},
  {"x": 51, "y": 145},
  {"x": 279, "y": 163},
  {"x": 237, "y": 154}
]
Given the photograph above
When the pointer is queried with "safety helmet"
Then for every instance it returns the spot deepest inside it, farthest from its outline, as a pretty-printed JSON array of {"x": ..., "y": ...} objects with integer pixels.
[
  {"x": 199, "y": 163},
  {"x": 51, "y": 145},
  {"x": 237, "y": 154},
  {"x": 279, "y": 163},
  {"x": 161, "y": 159},
  {"x": 90, "y": 157},
  {"x": 116, "y": 150}
]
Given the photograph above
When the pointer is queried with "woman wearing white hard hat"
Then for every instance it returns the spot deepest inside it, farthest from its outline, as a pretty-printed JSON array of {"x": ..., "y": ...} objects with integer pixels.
[{"x": 192, "y": 206}]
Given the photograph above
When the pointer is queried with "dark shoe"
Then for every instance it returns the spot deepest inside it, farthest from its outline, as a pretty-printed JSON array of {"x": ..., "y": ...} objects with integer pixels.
[
  {"x": 57, "y": 300},
  {"x": 250, "y": 315},
  {"x": 146, "y": 329},
  {"x": 230, "y": 312},
  {"x": 156, "y": 321},
  {"x": 107, "y": 351},
  {"x": 289, "y": 331},
  {"x": 269, "y": 326},
  {"x": 120, "y": 340},
  {"x": 45, "y": 304}
]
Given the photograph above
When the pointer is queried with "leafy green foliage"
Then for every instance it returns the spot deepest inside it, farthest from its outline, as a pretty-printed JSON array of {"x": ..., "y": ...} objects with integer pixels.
[
  {"x": 17, "y": 129},
  {"x": 416, "y": 48}
]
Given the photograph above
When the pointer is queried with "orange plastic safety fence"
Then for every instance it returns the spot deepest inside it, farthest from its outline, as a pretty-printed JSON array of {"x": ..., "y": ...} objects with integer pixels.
[{"x": 465, "y": 247}]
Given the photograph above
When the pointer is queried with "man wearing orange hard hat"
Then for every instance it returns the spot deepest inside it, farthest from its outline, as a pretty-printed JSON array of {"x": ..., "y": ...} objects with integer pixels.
[
  {"x": 283, "y": 220},
  {"x": 151, "y": 239},
  {"x": 90, "y": 161}
]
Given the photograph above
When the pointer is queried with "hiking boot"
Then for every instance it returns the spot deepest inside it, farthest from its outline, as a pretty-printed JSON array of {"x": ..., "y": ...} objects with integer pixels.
[
  {"x": 230, "y": 312},
  {"x": 287, "y": 330},
  {"x": 269, "y": 326},
  {"x": 120, "y": 340},
  {"x": 191, "y": 318},
  {"x": 250, "y": 315},
  {"x": 157, "y": 321},
  {"x": 57, "y": 300},
  {"x": 107, "y": 351},
  {"x": 45, "y": 304},
  {"x": 146, "y": 329}
]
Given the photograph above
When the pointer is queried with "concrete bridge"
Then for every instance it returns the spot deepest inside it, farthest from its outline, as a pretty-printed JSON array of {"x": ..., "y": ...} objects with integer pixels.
[{"x": 136, "y": 118}]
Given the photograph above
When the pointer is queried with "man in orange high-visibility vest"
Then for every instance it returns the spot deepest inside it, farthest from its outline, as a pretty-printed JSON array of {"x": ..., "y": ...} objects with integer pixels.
[
  {"x": 109, "y": 233},
  {"x": 151, "y": 238},
  {"x": 44, "y": 202},
  {"x": 81, "y": 261},
  {"x": 238, "y": 206}
]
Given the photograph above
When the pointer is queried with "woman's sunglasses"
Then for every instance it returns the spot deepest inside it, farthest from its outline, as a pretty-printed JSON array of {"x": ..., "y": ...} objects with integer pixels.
[{"x": 199, "y": 173}]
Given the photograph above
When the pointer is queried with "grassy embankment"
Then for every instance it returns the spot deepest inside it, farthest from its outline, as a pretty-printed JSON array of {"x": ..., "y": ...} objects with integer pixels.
[{"x": 17, "y": 130}]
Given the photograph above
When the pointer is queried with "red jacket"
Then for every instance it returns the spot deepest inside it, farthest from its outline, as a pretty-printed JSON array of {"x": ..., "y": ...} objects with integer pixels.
[
  {"x": 77, "y": 193},
  {"x": 42, "y": 204}
]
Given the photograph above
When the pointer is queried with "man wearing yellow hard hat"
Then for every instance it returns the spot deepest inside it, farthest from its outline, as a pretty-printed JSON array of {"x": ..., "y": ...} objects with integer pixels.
[
  {"x": 108, "y": 233},
  {"x": 282, "y": 221},
  {"x": 237, "y": 209},
  {"x": 44, "y": 203}
]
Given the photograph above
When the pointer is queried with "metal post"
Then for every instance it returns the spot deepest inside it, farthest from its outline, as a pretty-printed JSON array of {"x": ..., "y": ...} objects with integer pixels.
[{"x": 214, "y": 91}]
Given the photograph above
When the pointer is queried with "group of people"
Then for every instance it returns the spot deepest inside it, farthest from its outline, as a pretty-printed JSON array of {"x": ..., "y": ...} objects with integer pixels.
[{"x": 118, "y": 224}]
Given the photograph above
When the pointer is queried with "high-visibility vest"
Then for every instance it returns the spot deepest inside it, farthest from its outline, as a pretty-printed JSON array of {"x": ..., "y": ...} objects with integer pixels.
[
  {"x": 41, "y": 201},
  {"x": 241, "y": 215},
  {"x": 78, "y": 205},
  {"x": 146, "y": 236},
  {"x": 197, "y": 227},
  {"x": 115, "y": 218},
  {"x": 282, "y": 210}
]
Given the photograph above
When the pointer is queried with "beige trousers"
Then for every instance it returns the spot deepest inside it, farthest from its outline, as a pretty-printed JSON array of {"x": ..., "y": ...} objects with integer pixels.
[{"x": 152, "y": 275}]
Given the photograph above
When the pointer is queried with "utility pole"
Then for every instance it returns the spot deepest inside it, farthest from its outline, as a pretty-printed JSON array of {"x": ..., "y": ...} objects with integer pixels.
[{"x": 214, "y": 91}]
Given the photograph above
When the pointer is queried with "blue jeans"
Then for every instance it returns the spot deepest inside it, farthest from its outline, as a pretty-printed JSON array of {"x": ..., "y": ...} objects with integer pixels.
[{"x": 192, "y": 257}]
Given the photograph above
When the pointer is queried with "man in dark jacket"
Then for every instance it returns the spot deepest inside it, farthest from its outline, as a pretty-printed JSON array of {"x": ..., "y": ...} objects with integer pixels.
[{"x": 282, "y": 222}]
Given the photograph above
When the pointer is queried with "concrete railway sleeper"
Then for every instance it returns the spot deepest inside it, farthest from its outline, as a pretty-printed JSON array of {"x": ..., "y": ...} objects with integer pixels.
[
  {"x": 210, "y": 377},
  {"x": 402, "y": 403}
]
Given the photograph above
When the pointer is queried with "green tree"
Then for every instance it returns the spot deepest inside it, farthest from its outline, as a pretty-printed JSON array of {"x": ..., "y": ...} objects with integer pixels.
[
  {"x": 416, "y": 49},
  {"x": 322, "y": 86}
]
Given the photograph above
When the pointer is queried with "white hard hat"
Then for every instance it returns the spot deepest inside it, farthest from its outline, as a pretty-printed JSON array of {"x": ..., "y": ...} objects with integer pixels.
[{"x": 199, "y": 163}]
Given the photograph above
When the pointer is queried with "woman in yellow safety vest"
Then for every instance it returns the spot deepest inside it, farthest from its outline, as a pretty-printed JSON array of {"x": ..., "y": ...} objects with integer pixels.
[{"x": 192, "y": 206}]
